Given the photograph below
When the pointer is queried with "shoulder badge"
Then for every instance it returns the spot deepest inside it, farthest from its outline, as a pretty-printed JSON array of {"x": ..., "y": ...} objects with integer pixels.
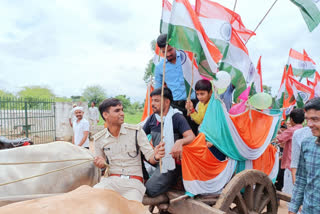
[
  {"x": 132, "y": 126},
  {"x": 98, "y": 135}
]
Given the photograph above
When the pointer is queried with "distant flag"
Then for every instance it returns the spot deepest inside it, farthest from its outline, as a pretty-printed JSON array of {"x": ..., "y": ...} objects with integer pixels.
[
  {"x": 316, "y": 87},
  {"x": 225, "y": 28},
  {"x": 301, "y": 92},
  {"x": 186, "y": 33},
  {"x": 310, "y": 10},
  {"x": 165, "y": 16},
  {"x": 285, "y": 93},
  {"x": 147, "y": 110},
  {"x": 156, "y": 58},
  {"x": 310, "y": 83},
  {"x": 258, "y": 78},
  {"x": 302, "y": 64}
]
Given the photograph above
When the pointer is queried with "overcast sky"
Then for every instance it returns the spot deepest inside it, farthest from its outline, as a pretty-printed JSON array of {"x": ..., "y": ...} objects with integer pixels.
[{"x": 70, "y": 44}]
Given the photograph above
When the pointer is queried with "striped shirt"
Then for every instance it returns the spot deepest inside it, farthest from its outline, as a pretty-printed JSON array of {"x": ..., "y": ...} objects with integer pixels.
[{"x": 306, "y": 190}]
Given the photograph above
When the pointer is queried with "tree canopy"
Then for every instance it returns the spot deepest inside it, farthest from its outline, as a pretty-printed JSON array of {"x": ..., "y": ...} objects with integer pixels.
[
  {"x": 94, "y": 93},
  {"x": 126, "y": 103},
  {"x": 36, "y": 92},
  {"x": 148, "y": 73},
  {"x": 5, "y": 94}
]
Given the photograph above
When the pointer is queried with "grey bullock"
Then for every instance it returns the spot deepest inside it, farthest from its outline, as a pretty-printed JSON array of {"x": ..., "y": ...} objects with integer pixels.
[{"x": 75, "y": 169}]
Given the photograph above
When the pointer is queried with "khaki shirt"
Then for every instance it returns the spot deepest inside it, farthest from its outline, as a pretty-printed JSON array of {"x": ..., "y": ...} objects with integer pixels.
[{"x": 121, "y": 151}]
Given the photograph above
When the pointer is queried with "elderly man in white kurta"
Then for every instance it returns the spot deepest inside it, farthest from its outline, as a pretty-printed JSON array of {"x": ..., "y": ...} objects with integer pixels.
[{"x": 93, "y": 118}]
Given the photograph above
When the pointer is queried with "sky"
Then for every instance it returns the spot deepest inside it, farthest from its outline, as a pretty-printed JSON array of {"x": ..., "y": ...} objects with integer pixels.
[{"x": 69, "y": 45}]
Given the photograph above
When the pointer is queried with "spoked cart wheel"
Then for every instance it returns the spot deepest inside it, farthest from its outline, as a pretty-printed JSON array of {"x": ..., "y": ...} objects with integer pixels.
[{"x": 248, "y": 192}]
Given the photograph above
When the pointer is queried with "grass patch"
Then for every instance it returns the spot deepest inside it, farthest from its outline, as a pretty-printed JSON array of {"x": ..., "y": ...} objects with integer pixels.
[{"x": 129, "y": 117}]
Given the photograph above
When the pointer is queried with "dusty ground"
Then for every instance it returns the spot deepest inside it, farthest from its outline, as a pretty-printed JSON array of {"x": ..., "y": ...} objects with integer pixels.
[{"x": 283, "y": 208}]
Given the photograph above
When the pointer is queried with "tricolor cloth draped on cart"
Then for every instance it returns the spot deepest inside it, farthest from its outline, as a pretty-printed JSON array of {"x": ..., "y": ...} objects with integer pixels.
[{"x": 244, "y": 138}]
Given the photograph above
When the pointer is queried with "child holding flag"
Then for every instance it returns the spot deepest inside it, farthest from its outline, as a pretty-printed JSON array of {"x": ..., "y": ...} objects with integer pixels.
[{"x": 203, "y": 91}]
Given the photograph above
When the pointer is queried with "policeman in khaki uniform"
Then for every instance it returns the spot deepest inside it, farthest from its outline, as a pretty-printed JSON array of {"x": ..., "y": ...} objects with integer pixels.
[{"x": 119, "y": 145}]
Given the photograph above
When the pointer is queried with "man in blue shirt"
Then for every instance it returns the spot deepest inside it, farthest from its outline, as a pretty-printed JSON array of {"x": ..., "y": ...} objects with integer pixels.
[
  {"x": 306, "y": 191},
  {"x": 174, "y": 79}
]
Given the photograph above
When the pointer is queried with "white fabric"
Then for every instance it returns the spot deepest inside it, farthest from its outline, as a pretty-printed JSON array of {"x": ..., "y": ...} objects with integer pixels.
[
  {"x": 244, "y": 150},
  {"x": 214, "y": 185},
  {"x": 274, "y": 172},
  {"x": 287, "y": 182},
  {"x": 78, "y": 108},
  {"x": 168, "y": 163},
  {"x": 78, "y": 129},
  {"x": 297, "y": 139},
  {"x": 131, "y": 189},
  {"x": 93, "y": 113}
]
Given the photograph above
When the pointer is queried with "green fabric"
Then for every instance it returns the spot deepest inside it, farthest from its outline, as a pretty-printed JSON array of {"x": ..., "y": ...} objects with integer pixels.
[
  {"x": 216, "y": 130},
  {"x": 237, "y": 78},
  {"x": 303, "y": 73},
  {"x": 309, "y": 11}
]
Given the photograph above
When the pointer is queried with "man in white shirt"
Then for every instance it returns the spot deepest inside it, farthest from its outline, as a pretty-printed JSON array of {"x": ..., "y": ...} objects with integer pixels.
[
  {"x": 72, "y": 116},
  {"x": 80, "y": 129},
  {"x": 93, "y": 118}
]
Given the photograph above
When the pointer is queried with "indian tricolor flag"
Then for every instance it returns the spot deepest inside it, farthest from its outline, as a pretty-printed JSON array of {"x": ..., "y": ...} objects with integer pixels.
[
  {"x": 202, "y": 172},
  {"x": 284, "y": 97},
  {"x": 165, "y": 16},
  {"x": 310, "y": 10},
  {"x": 302, "y": 64},
  {"x": 301, "y": 92},
  {"x": 241, "y": 137},
  {"x": 226, "y": 30},
  {"x": 191, "y": 74},
  {"x": 147, "y": 110},
  {"x": 268, "y": 163},
  {"x": 186, "y": 33},
  {"x": 212, "y": 9},
  {"x": 258, "y": 78},
  {"x": 156, "y": 58}
]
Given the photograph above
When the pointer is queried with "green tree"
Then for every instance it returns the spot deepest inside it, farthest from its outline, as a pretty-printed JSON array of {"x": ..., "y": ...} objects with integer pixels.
[
  {"x": 36, "y": 92},
  {"x": 126, "y": 103},
  {"x": 94, "y": 93},
  {"x": 148, "y": 73},
  {"x": 5, "y": 94},
  {"x": 266, "y": 89},
  {"x": 136, "y": 106}
]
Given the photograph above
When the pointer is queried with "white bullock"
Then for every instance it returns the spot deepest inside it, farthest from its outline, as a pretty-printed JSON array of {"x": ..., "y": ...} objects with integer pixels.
[
  {"x": 56, "y": 182},
  {"x": 83, "y": 200}
]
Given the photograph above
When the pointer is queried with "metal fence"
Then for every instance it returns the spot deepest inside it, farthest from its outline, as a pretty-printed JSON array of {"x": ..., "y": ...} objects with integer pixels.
[{"x": 29, "y": 117}]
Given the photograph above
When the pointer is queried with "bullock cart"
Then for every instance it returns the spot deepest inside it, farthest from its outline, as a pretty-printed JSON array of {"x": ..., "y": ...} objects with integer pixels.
[{"x": 248, "y": 192}]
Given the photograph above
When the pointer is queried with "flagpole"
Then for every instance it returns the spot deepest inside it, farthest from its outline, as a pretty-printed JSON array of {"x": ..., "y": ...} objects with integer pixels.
[
  {"x": 263, "y": 18},
  {"x": 235, "y": 4},
  {"x": 192, "y": 79},
  {"x": 161, "y": 102}
]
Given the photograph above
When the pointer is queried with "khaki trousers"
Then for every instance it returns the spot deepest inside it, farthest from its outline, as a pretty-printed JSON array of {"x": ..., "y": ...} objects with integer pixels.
[{"x": 131, "y": 189}]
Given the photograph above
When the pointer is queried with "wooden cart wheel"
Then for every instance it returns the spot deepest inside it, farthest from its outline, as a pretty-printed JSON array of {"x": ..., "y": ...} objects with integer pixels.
[{"x": 248, "y": 192}]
